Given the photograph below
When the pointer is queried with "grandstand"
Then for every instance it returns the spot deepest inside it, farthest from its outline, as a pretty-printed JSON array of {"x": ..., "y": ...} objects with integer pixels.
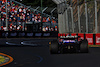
[{"x": 24, "y": 18}]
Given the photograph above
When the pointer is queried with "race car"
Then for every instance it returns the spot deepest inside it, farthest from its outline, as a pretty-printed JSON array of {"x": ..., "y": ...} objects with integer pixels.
[{"x": 69, "y": 43}]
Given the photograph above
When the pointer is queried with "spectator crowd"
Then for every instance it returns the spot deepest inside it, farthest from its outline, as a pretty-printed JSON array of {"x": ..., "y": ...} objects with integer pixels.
[{"x": 18, "y": 16}]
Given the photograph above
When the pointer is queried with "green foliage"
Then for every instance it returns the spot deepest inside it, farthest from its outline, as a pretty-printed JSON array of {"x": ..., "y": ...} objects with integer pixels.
[
  {"x": 46, "y": 3},
  {"x": 34, "y": 3}
]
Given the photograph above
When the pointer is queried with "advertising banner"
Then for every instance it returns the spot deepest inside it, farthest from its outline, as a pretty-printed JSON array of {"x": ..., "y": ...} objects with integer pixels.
[
  {"x": 30, "y": 34},
  {"x": 38, "y": 34},
  {"x": 89, "y": 37},
  {"x": 46, "y": 34},
  {"x": 13, "y": 34},
  {"x": 73, "y": 34},
  {"x": 98, "y": 39},
  {"x": 62, "y": 34},
  {"x": 81, "y": 35},
  {"x": 4, "y": 34},
  {"x": 58, "y": 34},
  {"x": 21, "y": 34}
]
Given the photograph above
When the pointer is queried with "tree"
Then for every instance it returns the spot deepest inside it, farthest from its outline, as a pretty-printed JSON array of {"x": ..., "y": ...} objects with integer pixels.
[{"x": 34, "y": 3}]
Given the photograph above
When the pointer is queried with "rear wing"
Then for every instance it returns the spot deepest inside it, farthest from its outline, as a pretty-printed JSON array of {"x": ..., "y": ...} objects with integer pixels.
[{"x": 69, "y": 37}]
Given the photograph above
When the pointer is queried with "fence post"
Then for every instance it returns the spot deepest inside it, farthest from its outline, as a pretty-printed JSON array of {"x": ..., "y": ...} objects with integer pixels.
[
  {"x": 44, "y": 9},
  {"x": 63, "y": 18},
  {"x": 67, "y": 18},
  {"x": 53, "y": 11},
  {"x": 59, "y": 18},
  {"x": 37, "y": 8},
  {"x": 86, "y": 16},
  {"x": 72, "y": 17},
  {"x": 6, "y": 18},
  {"x": 78, "y": 16},
  {"x": 96, "y": 31}
]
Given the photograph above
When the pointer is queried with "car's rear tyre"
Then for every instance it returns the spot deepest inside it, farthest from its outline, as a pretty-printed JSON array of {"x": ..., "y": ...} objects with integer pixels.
[
  {"x": 54, "y": 47},
  {"x": 84, "y": 46}
]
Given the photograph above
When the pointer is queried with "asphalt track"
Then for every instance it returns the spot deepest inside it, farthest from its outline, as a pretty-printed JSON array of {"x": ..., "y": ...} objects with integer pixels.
[{"x": 30, "y": 56}]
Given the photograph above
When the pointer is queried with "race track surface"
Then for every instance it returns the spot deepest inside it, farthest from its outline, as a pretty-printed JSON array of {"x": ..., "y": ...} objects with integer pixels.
[{"x": 29, "y": 56}]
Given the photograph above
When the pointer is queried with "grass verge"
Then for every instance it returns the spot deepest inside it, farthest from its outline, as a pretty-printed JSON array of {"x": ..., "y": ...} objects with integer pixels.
[{"x": 94, "y": 45}]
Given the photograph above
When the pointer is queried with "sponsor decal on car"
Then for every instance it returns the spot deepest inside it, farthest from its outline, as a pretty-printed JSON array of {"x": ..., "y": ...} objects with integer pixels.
[
  {"x": 68, "y": 36},
  {"x": 69, "y": 41}
]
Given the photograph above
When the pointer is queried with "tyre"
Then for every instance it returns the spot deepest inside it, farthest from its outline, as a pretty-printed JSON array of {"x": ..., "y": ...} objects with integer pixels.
[
  {"x": 54, "y": 47},
  {"x": 84, "y": 46}
]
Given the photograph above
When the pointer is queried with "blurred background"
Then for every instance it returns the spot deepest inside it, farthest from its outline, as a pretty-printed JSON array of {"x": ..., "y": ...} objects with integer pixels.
[{"x": 41, "y": 15}]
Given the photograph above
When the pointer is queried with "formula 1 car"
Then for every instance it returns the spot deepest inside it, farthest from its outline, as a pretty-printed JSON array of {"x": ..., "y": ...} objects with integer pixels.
[{"x": 69, "y": 43}]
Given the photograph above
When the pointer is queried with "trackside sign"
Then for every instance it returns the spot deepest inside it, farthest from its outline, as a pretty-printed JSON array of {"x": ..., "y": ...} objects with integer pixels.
[
  {"x": 97, "y": 39},
  {"x": 89, "y": 37},
  {"x": 81, "y": 35}
]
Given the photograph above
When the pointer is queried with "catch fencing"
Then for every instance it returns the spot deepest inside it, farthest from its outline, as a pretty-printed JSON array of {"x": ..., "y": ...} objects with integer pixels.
[{"x": 79, "y": 18}]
